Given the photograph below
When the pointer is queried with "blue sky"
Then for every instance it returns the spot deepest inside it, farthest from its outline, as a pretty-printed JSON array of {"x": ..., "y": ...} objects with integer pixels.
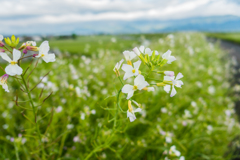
[{"x": 42, "y": 16}]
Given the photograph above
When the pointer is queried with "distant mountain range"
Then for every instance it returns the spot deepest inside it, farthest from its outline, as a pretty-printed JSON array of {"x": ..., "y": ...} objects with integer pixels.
[{"x": 206, "y": 24}]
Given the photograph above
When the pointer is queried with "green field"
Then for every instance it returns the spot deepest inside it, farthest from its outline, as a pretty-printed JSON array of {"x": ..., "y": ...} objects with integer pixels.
[
  {"x": 232, "y": 37},
  {"x": 76, "y": 121}
]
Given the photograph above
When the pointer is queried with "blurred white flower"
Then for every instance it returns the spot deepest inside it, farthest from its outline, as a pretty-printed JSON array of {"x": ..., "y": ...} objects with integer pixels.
[
  {"x": 76, "y": 139},
  {"x": 3, "y": 82},
  {"x": 59, "y": 109},
  {"x": 13, "y": 69},
  {"x": 211, "y": 89},
  {"x": 43, "y": 52},
  {"x": 70, "y": 126},
  {"x": 139, "y": 84},
  {"x": 129, "y": 55},
  {"x": 117, "y": 66},
  {"x": 174, "y": 152},
  {"x": 176, "y": 82},
  {"x": 145, "y": 51},
  {"x": 167, "y": 56},
  {"x": 131, "y": 112},
  {"x": 131, "y": 71},
  {"x": 164, "y": 110}
]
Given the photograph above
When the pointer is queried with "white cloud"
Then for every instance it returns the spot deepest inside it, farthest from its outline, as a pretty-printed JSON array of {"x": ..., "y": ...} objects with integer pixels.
[{"x": 49, "y": 12}]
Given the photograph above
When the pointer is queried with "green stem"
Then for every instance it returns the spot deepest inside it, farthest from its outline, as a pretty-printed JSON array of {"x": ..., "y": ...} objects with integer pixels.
[
  {"x": 36, "y": 122},
  {"x": 118, "y": 106}
]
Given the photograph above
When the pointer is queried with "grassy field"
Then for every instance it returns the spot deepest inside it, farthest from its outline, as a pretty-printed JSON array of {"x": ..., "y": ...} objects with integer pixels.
[
  {"x": 232, "y": 37},
  {"x": 199, "y": 120}
]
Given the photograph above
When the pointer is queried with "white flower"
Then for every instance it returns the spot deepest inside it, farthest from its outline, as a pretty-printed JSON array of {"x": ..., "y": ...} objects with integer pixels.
[
  {"x": 145, "y": 51},
  {"x": 3, "y": 82},
  {"x": 129, "y": 56},
  {"x": 43, "y": 52},
  {"x": 131, "y": 71},
  {"x": 13, "y": 69},
  {"x": 1, "y": 37},
  {"x": 182, "y": 158},
  {"x": 131, "y": 111},
  {"x": 136, "y": 51},
  {"x": 117, "y": 66},
  {"x": 176, "y": 82},
  {"x": 169, "y": 73},
  {"x": 168, "y": 57},
  {"x": 139, "y": 84},
  {"x": 174, "y": 152}
]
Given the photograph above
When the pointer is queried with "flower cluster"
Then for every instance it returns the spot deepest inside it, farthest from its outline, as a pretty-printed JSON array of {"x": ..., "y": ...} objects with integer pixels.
[
  {"x": 153, "y": 60},
  {"x": 13, "y": 68}
]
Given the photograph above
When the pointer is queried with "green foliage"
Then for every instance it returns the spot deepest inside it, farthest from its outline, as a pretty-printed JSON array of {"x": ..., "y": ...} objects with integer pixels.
[
  {"x": 85, "y": 87},
  {"x": 232, "y": 37}
]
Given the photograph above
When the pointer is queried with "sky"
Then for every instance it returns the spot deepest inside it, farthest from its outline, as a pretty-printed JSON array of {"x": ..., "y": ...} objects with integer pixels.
[{"x": 59, "y": 16}]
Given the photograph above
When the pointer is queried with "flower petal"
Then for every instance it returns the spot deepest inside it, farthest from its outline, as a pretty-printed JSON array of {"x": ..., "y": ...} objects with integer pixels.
[
  {"x": 13, "y": 70},
  {"x": 137, "y": 64},
  {"x": 16, "y": 55},
  {"x": 138, "y": 110},
  {"x": 173, "y": 92},
  {"x": 171, "y": 59},
  {"x": 132, "y": 55},
  {"x": 168, "y": 78},
  {"x": 167, "y": 88},
  {"x": 139, "y": 80},
  {"x": 180, "y": 75},
  {"x": 179, "y": 83},
  {"x": 5, "y": 87},
  {"x": 49, "y": 58},
  {"x": 127, "y": 88},
  {"x": 1, "y": 37},
  {"x": 148, "y": 51},
  {"x": 44, "y": 48},
  {"x": 5, "y": 57},
  {"x": 136, "y": 51},
  {"x": 142, "y": 85},
  {"x": 131, "y": 116},
  {"x": 130, "y": 94},
  {"x": 166, "y": 54},
  {"x": 141, "y": 48},
  {"x": 127, "y": 75},
  {"x": 127, "y": 68}
]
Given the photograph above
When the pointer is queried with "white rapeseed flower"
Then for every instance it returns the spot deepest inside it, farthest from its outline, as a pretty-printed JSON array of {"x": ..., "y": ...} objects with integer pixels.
[
  {"x": 139, "y": 84},
  {"x": 43, "y": 52},
  {"x": 117, "y": 66},
  {"x": 167, "y": 56},
  {"x": 1, "y": 37},
  {"x": 131, "y": 71},
  {"x": 12, "y": 69},
  {"x": 3, "y": 82},
  {"x": 129, "y": 56},
  {"x": 131, "y": 111},
  {"x": 174, "y": 152},
  {"x": 176, "y": 82},
  {"x": 145, "y": 51}
]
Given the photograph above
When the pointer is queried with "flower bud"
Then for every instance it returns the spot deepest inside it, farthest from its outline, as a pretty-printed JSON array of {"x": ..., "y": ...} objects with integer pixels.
[
  {"x": 25, "y": 51},
  {"x": 32, "y": 48},
  {"x": 136, "y": 51},
  {"x": 34, "y": 55},
  {"x": 130, "y": 106},
  {"x": 161, "y": 84},
  {"x": 2, "y": 50},
  {"x": 2, "y": 44}
]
